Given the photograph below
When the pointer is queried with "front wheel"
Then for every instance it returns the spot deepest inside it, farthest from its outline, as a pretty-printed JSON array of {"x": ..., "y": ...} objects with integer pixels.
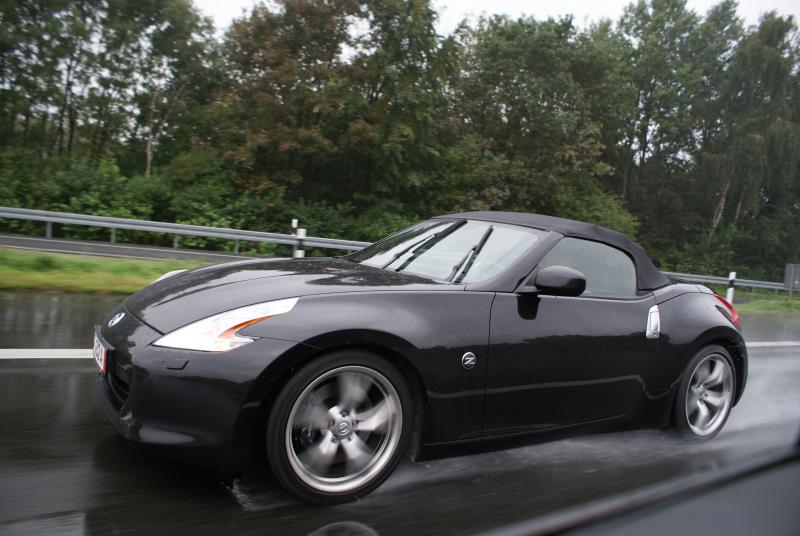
[
  {"x": 339, "y": 427},
  {"x": 705, "y": 394}
]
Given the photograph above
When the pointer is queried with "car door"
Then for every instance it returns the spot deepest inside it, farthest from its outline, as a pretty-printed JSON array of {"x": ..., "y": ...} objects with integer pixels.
[{"x": 557, "y": 361}]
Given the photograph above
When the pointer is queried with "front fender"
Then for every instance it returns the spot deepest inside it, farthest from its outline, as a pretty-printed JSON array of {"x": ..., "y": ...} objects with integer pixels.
[{"x": 426, "y": 331}]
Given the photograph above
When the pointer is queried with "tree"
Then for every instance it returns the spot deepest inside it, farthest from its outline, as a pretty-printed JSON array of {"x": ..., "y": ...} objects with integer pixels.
[{"x": 678, "y": 127}]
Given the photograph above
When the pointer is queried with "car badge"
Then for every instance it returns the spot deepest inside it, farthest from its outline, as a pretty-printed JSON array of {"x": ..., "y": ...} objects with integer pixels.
[
  {"x": 115, "y": 319},
  {"x": 468, "y": 360}
]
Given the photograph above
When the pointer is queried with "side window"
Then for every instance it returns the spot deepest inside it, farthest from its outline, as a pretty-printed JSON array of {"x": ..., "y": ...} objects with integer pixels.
[{"x": 609, "y": 272}]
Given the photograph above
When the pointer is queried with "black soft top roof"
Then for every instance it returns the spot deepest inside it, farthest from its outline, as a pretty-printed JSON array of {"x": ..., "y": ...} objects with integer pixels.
[{"x": 648, "y": 276}]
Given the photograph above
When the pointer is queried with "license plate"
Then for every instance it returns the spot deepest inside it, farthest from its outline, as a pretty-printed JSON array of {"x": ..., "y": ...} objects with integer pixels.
[{"x": 100, "y": 352}]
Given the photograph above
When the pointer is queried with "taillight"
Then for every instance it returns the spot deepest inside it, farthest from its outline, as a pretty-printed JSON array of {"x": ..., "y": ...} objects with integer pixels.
[{"x": 729, "y": 311}]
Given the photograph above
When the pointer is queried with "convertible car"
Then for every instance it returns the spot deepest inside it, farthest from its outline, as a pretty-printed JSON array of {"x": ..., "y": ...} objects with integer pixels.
[{"x": 461, "y": 329}]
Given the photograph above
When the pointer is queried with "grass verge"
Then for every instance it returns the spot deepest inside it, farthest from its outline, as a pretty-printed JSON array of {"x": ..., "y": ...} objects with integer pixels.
[
  {"x": 762, "y": 301},
  {"x": 776, "y": 305},
  {"x": 27, "y": 270}
]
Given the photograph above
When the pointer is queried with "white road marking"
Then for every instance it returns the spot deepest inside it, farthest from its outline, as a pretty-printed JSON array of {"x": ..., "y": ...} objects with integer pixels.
[
  {"x": 86, "y": 353},
  {"x": 46, "y": 353}
]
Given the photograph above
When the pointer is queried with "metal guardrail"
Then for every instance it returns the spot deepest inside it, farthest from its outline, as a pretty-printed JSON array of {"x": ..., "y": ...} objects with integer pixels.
[
  {"x": 298, "y": 241},
  {"x": 175, "y": 229},
  {"x": 714, "y": 280}
]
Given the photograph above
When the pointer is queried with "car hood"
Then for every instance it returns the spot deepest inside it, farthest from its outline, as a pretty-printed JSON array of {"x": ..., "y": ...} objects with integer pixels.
[{"x": 195, "y": 294}]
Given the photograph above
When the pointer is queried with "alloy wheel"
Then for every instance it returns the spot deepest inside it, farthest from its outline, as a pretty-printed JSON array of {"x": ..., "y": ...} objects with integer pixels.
[
  {"x": 710, "y": 395},
  {"x": 343, "y": 429}
]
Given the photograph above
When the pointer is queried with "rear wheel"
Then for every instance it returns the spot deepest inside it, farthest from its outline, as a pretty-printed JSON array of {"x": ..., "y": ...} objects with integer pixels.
[
  {"x": 706, "y": 393},
  {"x": 339, "y": 427}
]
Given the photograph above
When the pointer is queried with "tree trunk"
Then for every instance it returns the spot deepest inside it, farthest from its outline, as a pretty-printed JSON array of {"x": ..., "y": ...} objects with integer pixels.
[
  {"x": 626, "y": 167},
  {"x": 105, "y": 135},
  {"x": 104, "y": 132},
  {"x": 43, "y": 136},
  {"x": 98, "y": 127},
  {"x": 73, "y": 120},
  {"x": 149, "y": 149},
  {"x": 720, "y": 210},
  {"x": 155, "y": 127},
  {"x": 739, "y": 206},
  {"x": 66, "y": 101}
]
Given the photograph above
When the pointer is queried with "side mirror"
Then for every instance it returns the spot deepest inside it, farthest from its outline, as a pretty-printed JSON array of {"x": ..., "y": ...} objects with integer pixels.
[{"x": 558, "y": 281}]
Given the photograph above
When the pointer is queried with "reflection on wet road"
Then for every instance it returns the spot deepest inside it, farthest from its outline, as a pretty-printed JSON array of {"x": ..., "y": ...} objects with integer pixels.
[
  {"x": 52, "y": 319},
  {"x": 63, "y": 470}
]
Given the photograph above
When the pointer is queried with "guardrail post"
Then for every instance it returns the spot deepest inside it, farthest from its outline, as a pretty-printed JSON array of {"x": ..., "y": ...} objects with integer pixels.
[
  {"x": 731, "y": 286},
  {"x": 299, "y": 252},
  {"x": 295, "y": 223},
  {"x": 113, "y": 236},
  {"x": 175, "y": 242},
  {"x": 48, "y": 231},
  {"x": 236, "y": 246}
]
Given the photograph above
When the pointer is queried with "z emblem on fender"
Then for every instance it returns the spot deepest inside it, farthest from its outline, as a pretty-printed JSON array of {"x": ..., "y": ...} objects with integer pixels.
[{"x": 468, "y": 360}]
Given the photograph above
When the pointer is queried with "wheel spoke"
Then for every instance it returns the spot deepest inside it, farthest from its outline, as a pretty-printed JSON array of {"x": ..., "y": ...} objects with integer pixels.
[
  {"x": 357, "y": 452},
  {"x": 375, "y": 418},
  {"x": 703, "y": 415},
  {"x": 715, "y": 400},
  {"x": 320, "y": 456},
  {"x": 716, "y": 375},
  {"x": 314, "y": 414},
  {"x": 704, "y": 372},
  {"x": 353, "y": 389}
]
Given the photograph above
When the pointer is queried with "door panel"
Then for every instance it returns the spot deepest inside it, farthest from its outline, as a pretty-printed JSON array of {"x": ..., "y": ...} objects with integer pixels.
[{"x": 557, "y": 361}]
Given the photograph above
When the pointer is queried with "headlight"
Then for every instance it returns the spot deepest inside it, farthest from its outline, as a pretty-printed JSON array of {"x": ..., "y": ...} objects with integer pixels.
[
  {"x": 219, "y": 333},
  {"x": 168, "y": 274}
]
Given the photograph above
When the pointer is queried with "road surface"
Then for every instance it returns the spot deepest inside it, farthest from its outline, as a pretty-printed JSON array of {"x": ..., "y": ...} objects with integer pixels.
[{"x": 64, "y": 471}]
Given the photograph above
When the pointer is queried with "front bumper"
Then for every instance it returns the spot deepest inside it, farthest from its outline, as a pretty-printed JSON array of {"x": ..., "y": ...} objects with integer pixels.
[{"x": 197, "y": 407}]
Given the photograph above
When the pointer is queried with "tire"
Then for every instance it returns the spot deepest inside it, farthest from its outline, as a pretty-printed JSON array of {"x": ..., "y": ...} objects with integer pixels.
[
  {"x": 706, "y": 393},
  {"x": 339, "y": 427}
]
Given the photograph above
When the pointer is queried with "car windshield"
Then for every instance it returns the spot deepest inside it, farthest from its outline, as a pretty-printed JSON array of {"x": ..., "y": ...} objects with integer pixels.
[{"x": 457, "y": 251}]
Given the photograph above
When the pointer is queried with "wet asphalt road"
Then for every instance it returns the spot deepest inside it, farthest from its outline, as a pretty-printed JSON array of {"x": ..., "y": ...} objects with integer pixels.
[{"x": 64, "y": 471}]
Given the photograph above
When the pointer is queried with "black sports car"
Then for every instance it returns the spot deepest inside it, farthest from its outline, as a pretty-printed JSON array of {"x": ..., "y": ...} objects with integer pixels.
[{"x": 463, "y": 328}]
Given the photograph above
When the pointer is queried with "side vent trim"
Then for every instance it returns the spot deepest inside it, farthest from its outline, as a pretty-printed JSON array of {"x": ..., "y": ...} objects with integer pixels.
[{"x": 653, "y": 330}]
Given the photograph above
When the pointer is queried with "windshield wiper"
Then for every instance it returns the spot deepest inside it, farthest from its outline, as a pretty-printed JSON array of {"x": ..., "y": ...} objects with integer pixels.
[
  {"x": 471, "y": 255},
  {"x": 409, "y": 248},
  {"x": 418, "y": 250}
]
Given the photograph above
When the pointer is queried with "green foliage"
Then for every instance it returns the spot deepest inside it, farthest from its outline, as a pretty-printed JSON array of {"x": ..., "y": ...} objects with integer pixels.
[
  {"x": 776, "y": 305},
  {"x": 354, "y": 116},
  {"x": 48, "y": 271}
]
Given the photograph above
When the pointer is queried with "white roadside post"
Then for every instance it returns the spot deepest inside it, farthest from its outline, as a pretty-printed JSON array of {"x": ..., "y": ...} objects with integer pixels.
[
  {"x": 295, "y": 223},
  {"x": 299, "y": 252},
  {"x": 731, "y": 284}
]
